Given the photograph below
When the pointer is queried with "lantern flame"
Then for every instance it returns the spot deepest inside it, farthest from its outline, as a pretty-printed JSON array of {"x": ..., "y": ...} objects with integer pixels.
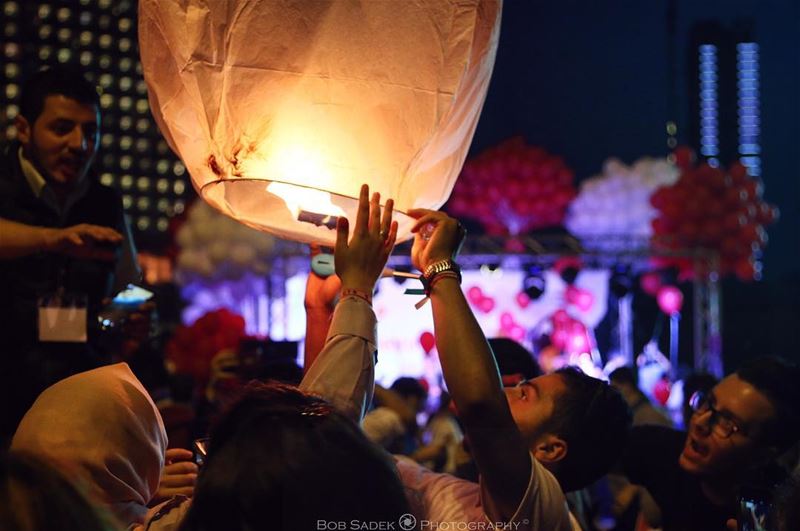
[{"x": 308, "y": 204}]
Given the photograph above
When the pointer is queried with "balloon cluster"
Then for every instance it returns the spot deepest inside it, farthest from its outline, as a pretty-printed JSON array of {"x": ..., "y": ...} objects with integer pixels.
[
  {"x": 216, "y": 247},
  {"x": 716, "y": 209},
  {"x": 613, "y": 211},
  {"x": 569, "y": 334},
  {"x": 513, "y": 188},
  {"x": 191, "y": 348},
  {"x": 479, "y": 300}
]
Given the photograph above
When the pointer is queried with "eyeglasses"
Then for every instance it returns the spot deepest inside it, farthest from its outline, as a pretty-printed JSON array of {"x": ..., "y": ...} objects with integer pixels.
[{"x": 720, "y": 423}]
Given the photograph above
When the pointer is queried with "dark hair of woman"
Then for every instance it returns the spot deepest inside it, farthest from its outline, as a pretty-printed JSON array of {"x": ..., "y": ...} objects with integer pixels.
[{"x": 281, "y": 459}]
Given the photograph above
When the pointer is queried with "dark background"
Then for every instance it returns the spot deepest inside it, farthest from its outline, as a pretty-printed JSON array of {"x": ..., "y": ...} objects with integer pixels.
[
  {"x": 591, "y": 80},
  {"x": 585, "y": 80}
]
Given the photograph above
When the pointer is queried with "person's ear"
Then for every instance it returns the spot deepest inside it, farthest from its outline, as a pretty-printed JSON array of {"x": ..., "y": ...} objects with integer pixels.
[
  {"x": 550, "y": 449},
  {"x": 24, "y": 129}
]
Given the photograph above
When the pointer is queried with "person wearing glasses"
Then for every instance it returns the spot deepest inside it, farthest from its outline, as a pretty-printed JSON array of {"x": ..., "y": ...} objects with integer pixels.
[{"x": 738, "y": 430}]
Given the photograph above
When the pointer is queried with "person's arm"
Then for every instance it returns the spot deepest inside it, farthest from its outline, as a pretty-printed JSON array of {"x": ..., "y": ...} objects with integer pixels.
[
  {"x": 392, "y": 400},
  {"x": 472, "y": 377},
  {"x": 344, "y": 370},
  {"x": 319, "y": 304},
  {"x": 18, "y": 240}
]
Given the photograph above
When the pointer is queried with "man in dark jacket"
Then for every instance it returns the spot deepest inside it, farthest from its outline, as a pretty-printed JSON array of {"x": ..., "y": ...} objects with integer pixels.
[
  {"x": 64, "y": 241},
  {"x": 737, "y": 432}
]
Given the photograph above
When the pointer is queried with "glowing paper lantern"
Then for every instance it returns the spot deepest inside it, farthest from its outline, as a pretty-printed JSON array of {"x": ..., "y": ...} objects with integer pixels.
[{"x": 280, "y": 110}]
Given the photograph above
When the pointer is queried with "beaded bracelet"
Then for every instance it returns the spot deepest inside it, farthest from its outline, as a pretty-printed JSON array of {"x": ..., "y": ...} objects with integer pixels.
[{"x": 361, "y": 294}]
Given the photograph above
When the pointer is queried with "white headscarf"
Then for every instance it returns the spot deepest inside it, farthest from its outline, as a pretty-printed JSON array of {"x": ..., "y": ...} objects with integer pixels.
[{"x": 102, "y": 428}]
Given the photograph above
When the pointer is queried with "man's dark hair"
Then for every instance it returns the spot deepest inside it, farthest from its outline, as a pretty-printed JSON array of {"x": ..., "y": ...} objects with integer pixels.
[
  {"x": 64, "y": 80},
  {"x": 513, "y": 358},
  {"x": 779, "y": 381},
  {"x": 594, "y": 420},
  {"x": 623, "y": 375},
  {"x": 281, "y": 459},
  {"x": 409, "y": 387}
]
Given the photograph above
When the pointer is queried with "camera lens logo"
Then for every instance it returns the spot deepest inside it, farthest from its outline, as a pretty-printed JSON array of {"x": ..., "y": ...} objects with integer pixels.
[{"x": 407, "y": 522}]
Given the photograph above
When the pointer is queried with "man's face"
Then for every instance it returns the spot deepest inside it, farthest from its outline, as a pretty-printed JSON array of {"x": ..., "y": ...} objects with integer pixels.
[
  {"x": 61, "y": 143},
  {"x": 708, "y": 454},
  {"x": 532, "y": 403}
]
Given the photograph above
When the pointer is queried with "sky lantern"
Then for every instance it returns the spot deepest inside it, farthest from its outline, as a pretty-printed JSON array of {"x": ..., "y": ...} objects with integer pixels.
[{"x": 281, "y": 109}]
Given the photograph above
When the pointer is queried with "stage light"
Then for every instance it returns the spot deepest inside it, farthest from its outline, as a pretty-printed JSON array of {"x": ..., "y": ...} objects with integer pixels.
[
  {"x": 12, "y": 91},
  {"x": 142, "y": 107},
  {"x": 106, "y": 140},
  {"x": 104, "y": 62},
  {"x": 178, "y": 187},
  {"x": 44, "y": 53},
  {"x": 143, "y": 184},
  {"x": 620, "y": 282},
  {"x": 85, "y": 38},
  {"x": 143, "y": 203},
  {"x": 126, "y": 162},
  {"x": 179, "y": 207},
  {"x": 44, "y": 11},
  {"x": 125, "y": 64},
  {"x": 10, "y": 30},
  {"x": 125, "y": 123},
  {"x": 162, "y": 205},
  {"x": 142, "y": 145},
  {"x": 63, "y": 14},
  {"x": 11, "y": 112},
  {"x": 126, "y": 182},
  {"x": 125, "y": 83},
  {"x": 127, "y": 202},
  {"x": 125, "y": 103},
  {"x": 162, "y": 185},
  {"x": 106, "y": 100},
  {"x": 86, "y": 58},
  {"x": 64, "y": 34},
  {"x": 45, "y": 31},
  {"x": 104, "y": 41},
  {"x": 107, "y": 179},
  {"x": 161, "y": 147},
  {"x": 162, "y": 167},
  {"x": 124, "y": 24},
  {"x": 124, "y": 45},
  {"x": 569, "y": 274},
  {"x": 85, "y": 18},
  {"x": 178, "y": 168},
  {"x": 64, "y": 55},
  {"x": 143, "y": 223},
  {"x": 12, "y": 70},
  {"x": 162, "y": 224},
  {"x": 533, "y": 284}
]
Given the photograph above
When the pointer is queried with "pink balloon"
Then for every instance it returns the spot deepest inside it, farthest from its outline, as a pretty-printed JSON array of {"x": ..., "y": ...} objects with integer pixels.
[
  {"x": 475, "y": 295},
  {"x": 561, "y": 318},
  {"x": 507, "y": 320},
  {"x": 559, "y": 339},
  {"x": 523, "y": 300},
  {"x": 517, "y": 333},
  {"x": 670, "y": 300},
  {"x": 579, "y": 343},
  {"x": 486, "y": 304},
  {"x": 581, "y": 298}
]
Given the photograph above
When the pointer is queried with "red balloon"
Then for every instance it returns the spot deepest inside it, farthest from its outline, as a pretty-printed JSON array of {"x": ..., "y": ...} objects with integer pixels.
[
  {"x": 650, "y": 283},
  {"x": 684, "y": 156},
  {"x": 661, "y": 391},
  {"x": 428, "y": 342}
]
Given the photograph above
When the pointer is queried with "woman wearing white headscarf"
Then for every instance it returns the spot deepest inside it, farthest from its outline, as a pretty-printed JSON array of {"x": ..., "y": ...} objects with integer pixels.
[{"x": 101, "y": 428}]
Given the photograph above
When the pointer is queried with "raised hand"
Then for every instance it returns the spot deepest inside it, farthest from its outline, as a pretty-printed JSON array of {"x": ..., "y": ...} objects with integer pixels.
[
  {"x": 178, "y": 476},
  {"x": 360, "y": 262},
  {"x": 444, "y": 242}
]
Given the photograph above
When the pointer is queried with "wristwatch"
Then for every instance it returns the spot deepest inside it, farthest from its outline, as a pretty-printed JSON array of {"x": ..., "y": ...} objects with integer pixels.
[{"x": 440, "y": 266}]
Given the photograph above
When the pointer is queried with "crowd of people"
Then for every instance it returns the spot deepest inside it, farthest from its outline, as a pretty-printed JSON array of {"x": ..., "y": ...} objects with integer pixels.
[{"x": 85, "y": 446}]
